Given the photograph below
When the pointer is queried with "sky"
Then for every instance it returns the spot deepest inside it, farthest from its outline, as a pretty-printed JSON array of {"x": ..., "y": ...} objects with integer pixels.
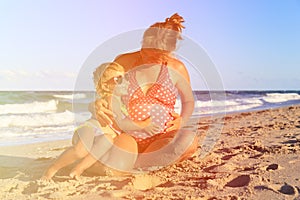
[{"x": 253, "y": 44}]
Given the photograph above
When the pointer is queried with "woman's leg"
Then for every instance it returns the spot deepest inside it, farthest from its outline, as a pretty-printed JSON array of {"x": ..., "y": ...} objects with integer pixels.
[
  {"x": 81, "y": 146},
  {"x": 122, "y": 155},
  {"x": 155, "y": 154},
  {"x": 165, "y": 151},
  {"x": 193, "y": 141}
]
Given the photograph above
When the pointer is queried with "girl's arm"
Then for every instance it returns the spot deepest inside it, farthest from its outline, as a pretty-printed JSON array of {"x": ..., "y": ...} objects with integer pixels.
[{"x": 100, "y": 112}]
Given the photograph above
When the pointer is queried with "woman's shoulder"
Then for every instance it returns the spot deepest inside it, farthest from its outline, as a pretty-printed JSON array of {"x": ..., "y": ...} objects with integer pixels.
[
  {"x": 127, "y": 60},
  {"x": 178, "y": 66}
]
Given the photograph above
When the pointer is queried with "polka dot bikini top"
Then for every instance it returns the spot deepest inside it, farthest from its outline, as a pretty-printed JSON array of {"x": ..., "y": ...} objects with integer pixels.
[{"x": 158, "y": 102}]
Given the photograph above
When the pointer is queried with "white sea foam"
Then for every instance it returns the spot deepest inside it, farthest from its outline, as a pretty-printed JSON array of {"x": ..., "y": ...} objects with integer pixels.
[
  {"x": 242, "y": 107},
  {"x": 38, "y": 131},
  {"x": 70, "y": 96},
  {"x": 252, "y": 101},
  {"x": 215, "y": 103},
  {"x": 37, "y": 119},
  {"x": 281, "y": 97},
  {"x": 20, "y": 136},
  {"x": 224, "y": 109},
  {"x": 199, "y": 104},
  {"x": 34, "y": 107},
  {"x": 226, "y": 103},
  {"x": 213, "y": 107}
]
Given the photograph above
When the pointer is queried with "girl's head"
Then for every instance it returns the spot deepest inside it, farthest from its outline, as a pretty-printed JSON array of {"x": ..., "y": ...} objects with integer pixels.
[
  {"x": 164, "y": 35},
  {"x": 109, "y": 77}
]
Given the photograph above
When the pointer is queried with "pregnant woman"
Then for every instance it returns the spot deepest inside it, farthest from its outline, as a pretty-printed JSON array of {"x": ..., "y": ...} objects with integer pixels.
[{"x": 156, "y": 76}]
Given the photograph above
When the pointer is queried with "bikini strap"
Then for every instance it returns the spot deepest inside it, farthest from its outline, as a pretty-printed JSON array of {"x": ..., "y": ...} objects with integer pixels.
[{"x": 163, "y": 73}]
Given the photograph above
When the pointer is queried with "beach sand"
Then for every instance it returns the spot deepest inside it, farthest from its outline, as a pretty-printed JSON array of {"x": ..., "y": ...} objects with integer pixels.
[{"x": 255, "y": 157}]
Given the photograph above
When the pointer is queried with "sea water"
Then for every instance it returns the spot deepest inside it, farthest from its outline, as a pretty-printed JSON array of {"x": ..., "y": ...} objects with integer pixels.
[{"x": 36, "y": 116}]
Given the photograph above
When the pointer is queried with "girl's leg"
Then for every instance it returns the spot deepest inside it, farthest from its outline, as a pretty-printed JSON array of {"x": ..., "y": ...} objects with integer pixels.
[
  {"x": 79, "y": 150},
  {"x": 101, "y": 145}
]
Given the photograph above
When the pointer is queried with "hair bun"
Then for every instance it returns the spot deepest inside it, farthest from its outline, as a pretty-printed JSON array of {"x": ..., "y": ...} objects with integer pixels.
[{"x": 176, "y": 20}]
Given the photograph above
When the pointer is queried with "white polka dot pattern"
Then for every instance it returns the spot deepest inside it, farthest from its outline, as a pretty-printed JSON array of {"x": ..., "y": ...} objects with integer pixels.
[{"x": 157, "y": 103}]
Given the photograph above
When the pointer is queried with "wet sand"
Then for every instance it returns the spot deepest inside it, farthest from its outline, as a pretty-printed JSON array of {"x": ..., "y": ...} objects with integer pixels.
[{"x": 256, "y": 156}]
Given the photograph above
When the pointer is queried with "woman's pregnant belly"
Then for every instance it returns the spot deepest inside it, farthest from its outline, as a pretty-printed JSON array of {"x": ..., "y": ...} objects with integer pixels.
[{"x": 150, "y": 113}]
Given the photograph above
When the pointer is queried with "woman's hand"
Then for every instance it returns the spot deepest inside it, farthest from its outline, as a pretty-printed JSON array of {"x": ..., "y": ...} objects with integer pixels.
[
  {"x": 176, "y": 123},
  {"x": 102, "y": 113}
]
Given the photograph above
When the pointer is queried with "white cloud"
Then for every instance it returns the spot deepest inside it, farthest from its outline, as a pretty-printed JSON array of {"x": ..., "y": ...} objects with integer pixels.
[
  {"x": 20, "y": 79},
  {"x": 8, "y": 74},
  {"x": 14, "y": 74}
]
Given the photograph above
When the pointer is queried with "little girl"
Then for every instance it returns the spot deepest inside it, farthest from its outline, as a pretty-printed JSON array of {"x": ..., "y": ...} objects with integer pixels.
[{"x": 91, "y": 140}]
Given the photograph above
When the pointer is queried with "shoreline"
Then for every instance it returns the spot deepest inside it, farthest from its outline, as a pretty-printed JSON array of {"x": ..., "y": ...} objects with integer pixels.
[
  {"x": 257, "y": 156},
  {"x": 217, "y": 115}
]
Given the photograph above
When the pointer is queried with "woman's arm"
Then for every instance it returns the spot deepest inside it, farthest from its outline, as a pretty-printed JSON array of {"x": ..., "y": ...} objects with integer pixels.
[
  {"x": 126, "y": 124},
  {"x": 187, "y": 100}
]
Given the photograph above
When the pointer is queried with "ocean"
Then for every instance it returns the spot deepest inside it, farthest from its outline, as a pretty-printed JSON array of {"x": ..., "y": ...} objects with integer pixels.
[{"x": 37, "y": 116}]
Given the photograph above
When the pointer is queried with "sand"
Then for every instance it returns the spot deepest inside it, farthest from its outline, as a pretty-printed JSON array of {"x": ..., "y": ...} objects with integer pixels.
[{"x": 256, "y": 157}]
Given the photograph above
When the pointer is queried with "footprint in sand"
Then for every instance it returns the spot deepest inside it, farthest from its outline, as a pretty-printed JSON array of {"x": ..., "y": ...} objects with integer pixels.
[
  {"x": 272, "y": 167},
  {"x": 240, "y": 181},
  {"x": 32, "y": 187},
  {"x": 145, "y": 182},
  {"x": 284, "y": 189},
  {"x": 287, "y": 189}
]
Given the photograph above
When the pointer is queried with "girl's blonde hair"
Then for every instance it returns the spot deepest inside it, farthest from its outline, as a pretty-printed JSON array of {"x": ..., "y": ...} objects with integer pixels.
[{"x": 102, "y": 74}]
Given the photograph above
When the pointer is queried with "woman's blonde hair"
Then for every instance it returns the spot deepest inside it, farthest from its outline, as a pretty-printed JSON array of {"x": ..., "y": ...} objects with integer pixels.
[
  {"x": 104, "y": 73},
  {"x": 164, "y": 35}
]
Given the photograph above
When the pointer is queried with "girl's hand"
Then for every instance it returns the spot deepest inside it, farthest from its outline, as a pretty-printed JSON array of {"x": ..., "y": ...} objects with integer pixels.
[
  {"x": 152, "y": 129},
  {"x": 103, "y": 114},
  {"x": 176, "y": 123}
]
